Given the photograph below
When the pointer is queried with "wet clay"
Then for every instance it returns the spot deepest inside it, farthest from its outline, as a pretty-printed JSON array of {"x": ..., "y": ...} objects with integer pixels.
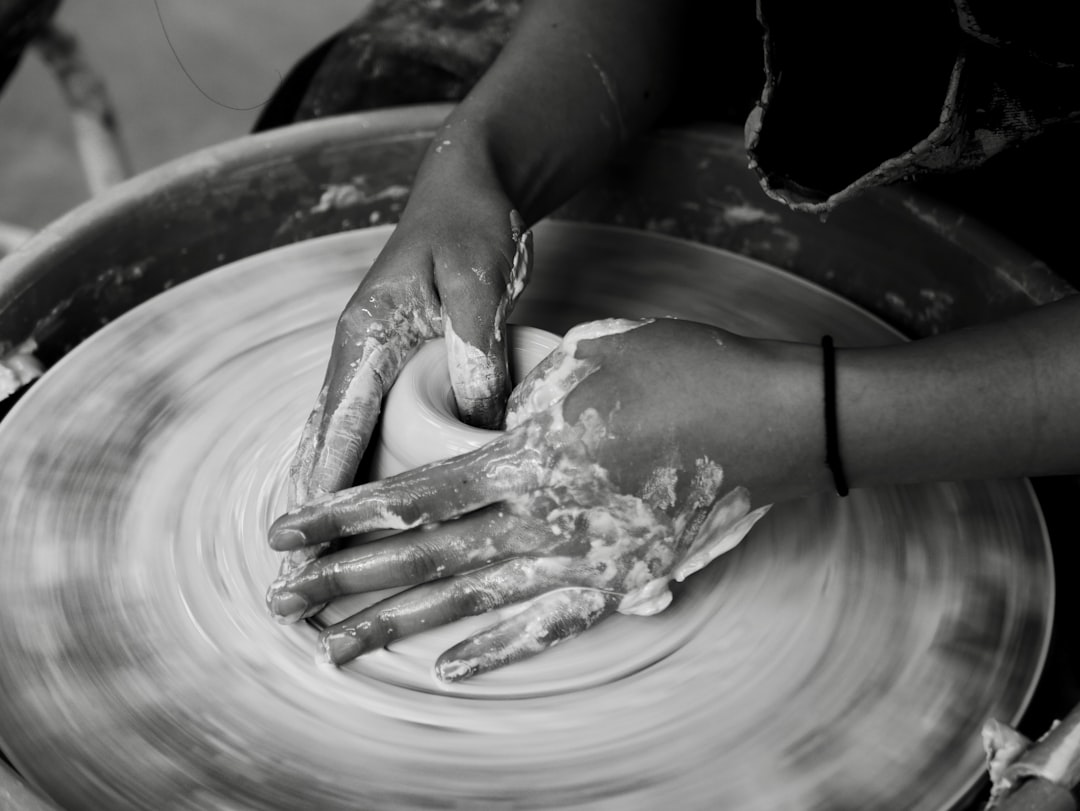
[{"x": 845, "y": 654}]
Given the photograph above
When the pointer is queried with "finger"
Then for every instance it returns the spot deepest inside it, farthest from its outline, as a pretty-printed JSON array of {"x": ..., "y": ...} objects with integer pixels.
[
  {"x": 511, "y": 464},
  {"x": 300, "y": 489},
  {"x": 434, "y": 604},
  {"x": 479, "y": 373},
  {"x": 549, "y": 619},
  {"x": 303, "y": 463},
  {"x": 337, "y": 431},
  {"x": 406, "y": 559},
  {"x": 372, "y": 342},
  {"x": 476, "y": 305}
]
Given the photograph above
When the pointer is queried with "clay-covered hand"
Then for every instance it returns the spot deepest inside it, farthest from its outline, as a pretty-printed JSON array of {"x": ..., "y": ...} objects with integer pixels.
[
  {"x": 630, "y": 458},
  {"x": 453, "y": 267}
]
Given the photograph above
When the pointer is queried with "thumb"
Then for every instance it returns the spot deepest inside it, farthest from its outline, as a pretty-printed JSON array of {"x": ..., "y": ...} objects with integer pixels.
[{"x": 476, "y": 305}]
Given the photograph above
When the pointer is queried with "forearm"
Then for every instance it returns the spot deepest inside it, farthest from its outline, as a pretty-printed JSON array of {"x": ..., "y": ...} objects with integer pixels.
[
  {"x": 995, "y": 401},
  {"x": 573, "y": 84}
]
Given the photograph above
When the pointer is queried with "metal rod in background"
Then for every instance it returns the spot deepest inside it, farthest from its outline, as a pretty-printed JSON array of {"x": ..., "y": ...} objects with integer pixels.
[{"x": 104, "y": 158}]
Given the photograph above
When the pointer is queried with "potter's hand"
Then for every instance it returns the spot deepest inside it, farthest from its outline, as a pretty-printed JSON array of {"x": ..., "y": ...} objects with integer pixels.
[
  {"x": 630, "y": 459},
  {"x": 609, "y": 67},
  {"x": 452, "y": 267}
]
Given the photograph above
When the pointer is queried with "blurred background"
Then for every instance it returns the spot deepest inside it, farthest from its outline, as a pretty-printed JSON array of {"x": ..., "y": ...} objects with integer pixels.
[{"x": 235, "y": 50}]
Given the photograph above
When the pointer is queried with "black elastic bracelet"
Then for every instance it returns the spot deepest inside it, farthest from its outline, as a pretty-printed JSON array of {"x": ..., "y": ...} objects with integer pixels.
[{"x": 832, "y": 434}]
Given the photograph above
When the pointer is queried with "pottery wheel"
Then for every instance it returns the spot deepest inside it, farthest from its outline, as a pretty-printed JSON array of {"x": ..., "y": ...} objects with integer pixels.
[{"x": 844, "y": 656}]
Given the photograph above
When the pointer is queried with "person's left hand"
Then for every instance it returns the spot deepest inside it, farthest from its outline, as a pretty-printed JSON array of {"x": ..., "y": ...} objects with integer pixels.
[{"x": 607, "y": 485}]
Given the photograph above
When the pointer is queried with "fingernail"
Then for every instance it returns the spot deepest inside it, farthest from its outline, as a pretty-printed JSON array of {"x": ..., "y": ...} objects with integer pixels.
[
  {"x": 284, "y": 539},
  {"x": 288, "y": 606},
  {"x": 453, "y": 671},
  {"x": 338, "y": 649}
]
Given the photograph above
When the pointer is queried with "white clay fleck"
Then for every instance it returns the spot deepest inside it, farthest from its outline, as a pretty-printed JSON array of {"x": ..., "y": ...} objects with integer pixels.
[
  {"x": 19, "y": 367},
  {"x": 651, "y": 599},
  {"x": 520, "y": 269},
  {"x": 708, "y": 477},
  {"x": 659, "y": 488},
  {"x": 609, "y": 89},
  {"x": 1002, "y": 745}
]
